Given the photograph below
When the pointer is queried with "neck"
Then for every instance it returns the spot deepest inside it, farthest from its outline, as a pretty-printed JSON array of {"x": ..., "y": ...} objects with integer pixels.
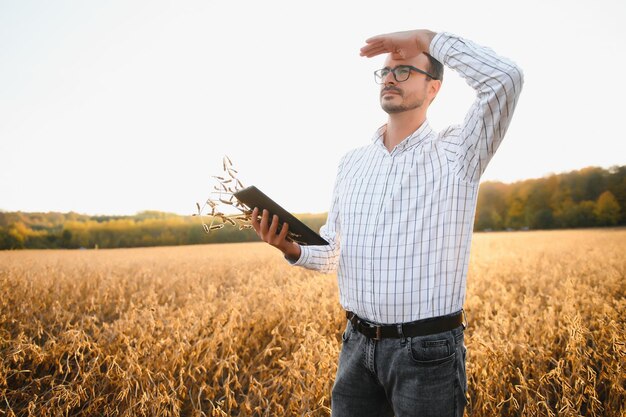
[{"x": 401, "y": 125}]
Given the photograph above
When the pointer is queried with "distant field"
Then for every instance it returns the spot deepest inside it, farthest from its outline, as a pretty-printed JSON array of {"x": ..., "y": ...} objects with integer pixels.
[{"x": 233, "y": 330}]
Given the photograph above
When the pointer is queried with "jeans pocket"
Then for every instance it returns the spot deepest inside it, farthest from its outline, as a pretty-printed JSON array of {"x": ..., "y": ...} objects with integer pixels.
[
  {"x": 430, "y": 352},
  {"x": 347, "y": 332},
  {"x": 462, "y": 373}
]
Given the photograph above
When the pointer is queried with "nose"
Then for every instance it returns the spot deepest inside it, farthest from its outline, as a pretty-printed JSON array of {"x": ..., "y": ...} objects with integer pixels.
[{"x": 389, "y": 78}]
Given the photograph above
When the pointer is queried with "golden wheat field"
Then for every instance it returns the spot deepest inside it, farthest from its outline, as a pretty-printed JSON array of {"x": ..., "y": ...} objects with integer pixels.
[{"x": 233, "y": 330}]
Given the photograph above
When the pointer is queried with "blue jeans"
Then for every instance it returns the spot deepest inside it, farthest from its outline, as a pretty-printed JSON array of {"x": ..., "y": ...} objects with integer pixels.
[{"x": 412, "y": 376}]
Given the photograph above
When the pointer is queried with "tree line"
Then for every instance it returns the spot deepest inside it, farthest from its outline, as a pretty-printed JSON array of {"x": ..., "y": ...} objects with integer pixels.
[
  {"x": 590, "y": 197},
  {"x": 20, "y": 230}
]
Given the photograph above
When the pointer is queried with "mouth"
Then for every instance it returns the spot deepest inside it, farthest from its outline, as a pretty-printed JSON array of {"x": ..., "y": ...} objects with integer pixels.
[{"x": 390, "y": 91}]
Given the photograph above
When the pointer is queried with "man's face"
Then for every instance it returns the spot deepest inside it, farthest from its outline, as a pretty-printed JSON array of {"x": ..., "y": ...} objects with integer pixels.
[{"x": 397, "y": 97}]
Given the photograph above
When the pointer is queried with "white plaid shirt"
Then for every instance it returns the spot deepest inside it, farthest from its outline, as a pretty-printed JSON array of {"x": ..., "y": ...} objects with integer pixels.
[{"x": 400, "y": 222}]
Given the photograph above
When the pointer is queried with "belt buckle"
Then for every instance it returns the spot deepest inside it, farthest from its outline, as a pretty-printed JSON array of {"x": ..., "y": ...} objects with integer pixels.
[{"x": 378, "y": 333}]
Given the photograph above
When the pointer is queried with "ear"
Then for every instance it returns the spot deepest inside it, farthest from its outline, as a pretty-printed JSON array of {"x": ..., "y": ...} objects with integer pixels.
[{"x": 433, "y": 89}]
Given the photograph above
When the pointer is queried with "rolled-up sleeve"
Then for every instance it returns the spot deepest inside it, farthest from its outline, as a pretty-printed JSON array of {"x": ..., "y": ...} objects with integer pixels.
[{"x": 324, "y": 258}]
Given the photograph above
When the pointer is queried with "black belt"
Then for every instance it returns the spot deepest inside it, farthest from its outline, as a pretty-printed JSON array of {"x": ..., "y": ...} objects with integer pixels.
[{"x": 422, "y": 327}]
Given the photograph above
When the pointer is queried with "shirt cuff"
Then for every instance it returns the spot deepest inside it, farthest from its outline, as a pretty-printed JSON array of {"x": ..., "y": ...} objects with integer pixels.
[
  {"x": 441, "y": 44},
  {"x": 304, "y": 257}
]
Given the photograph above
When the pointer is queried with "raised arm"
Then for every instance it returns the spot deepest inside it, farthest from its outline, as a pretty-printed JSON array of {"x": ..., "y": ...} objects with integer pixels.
[
  {"x": 498, "y": 84},
  {"x": 496, "y": 80}
]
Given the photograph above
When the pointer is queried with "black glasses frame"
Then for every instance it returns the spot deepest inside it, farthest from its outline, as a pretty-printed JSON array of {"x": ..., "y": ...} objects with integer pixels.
[{"x": 379, "y": 76}]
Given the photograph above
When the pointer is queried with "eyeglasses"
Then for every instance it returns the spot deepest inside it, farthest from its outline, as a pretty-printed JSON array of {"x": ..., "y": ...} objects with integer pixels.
[{"x": 400, "y": 73}]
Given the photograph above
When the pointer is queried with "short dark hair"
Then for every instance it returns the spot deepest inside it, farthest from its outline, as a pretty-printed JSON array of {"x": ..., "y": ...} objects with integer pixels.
[{"x": 435, "y": 67}]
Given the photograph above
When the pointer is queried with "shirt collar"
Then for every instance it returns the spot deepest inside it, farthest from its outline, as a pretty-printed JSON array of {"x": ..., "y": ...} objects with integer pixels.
[{"x": 413, "y": 139}]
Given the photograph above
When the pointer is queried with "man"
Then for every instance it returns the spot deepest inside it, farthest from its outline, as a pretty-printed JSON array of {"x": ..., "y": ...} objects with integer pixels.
[{"x": 400, "y": 227}]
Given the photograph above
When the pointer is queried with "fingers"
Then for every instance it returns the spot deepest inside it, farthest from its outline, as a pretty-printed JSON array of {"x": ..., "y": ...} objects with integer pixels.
[
  {"x": 283, "y": 232},
  {"x": 268, "y": 231},
  {"x": 373, "y": 52},
  {"x": 273, "y": 226},
  {"x": 274, "y": 239},
  {"x": 255, "y": 224},
  {"x": 373, "y": 49},
  {"x": 377, "y": 39},
  {"x": 264, "y": 222},
  {"x": 402, "y": 45},
  {"x": 259, "y": 227}
]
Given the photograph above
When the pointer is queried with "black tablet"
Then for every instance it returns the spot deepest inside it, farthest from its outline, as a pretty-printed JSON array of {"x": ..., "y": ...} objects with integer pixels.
[{"x": 298, "y": 232}]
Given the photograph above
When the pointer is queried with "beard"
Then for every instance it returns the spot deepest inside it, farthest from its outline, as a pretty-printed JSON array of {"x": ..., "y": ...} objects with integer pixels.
[{"x": 390, "y": 108}]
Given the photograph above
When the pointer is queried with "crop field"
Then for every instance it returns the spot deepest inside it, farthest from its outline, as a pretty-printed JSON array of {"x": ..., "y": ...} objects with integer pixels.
[{"x": 234, "y": 330}]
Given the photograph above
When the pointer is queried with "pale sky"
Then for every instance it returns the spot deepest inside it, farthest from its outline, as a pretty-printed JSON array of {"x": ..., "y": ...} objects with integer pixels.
[{"x": 114, "y": 107}]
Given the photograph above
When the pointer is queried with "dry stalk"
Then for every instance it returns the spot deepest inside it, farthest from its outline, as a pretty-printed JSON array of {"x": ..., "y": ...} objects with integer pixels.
[
  {"x": 140, "y": 332},
  {"x": 224, "y": 194}
]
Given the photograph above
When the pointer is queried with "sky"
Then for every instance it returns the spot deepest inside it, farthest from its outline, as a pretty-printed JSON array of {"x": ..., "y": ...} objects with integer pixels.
[{"x": 115, "y": 107}]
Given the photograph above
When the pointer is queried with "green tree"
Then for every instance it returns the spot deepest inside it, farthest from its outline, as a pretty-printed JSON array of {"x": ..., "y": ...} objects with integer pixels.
[
  {"x": 583, "y": 214},
  {"x": 541, "y": 219},
  {"x": 607, "y": 209},
  {"x": 491, "y": 206},
  {"x": 515, "y": 218},
  {"x": 537, "y": 210},
  {"x": 17, "y": 235},
  {"x": 66, "y": 238}
]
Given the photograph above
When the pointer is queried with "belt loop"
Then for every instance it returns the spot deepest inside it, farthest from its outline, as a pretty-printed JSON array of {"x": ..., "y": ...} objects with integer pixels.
[{"x": 400, "y": 330}]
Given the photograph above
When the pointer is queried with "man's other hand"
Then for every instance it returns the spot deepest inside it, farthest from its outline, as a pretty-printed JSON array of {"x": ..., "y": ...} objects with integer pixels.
[{"x": 401, "y": 45}]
